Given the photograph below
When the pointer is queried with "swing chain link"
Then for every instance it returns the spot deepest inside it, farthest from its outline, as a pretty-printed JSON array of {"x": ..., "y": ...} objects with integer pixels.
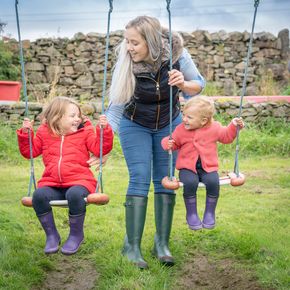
[
  {"x": 111, "y": 6},
  {"x": 256, "y": 3}
]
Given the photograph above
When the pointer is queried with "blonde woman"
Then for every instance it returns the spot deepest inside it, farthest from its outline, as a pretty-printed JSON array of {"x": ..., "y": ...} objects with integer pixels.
[{"x": 139, "y": 111}]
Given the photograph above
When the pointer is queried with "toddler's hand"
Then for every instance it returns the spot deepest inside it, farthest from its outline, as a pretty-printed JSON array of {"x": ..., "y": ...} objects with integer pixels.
[
  {"x": 27, "y": 125},
  {"x": 170, "y": 144},
  {"x": 239, "y": 122},
  {"x": 103, "y": 122}
]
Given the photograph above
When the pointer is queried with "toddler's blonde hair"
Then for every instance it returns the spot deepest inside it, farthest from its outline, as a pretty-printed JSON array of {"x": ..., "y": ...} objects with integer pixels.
[
  {"x": 204, "y": 105},
  {"x": 55, "y": 110}
]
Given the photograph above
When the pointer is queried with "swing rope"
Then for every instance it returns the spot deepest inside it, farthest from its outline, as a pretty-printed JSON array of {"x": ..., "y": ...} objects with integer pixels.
[
  {"x": 32, "y": 174},
  {"x": 236, "y": 166},
  {"x": 170, "y": 167},
  {"x": 100, "y": 186}
]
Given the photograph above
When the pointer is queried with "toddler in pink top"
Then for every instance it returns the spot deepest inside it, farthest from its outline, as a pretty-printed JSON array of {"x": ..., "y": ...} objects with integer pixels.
[{"x": 197, "y": 160}]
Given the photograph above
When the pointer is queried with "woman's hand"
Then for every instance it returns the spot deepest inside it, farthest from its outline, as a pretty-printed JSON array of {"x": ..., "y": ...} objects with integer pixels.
[
  {"x": 95, "y": 161},
  {"x": 176, "y": 78},
  {"x": 239, "y": 122},
  {"x": 27, "y": 125}
]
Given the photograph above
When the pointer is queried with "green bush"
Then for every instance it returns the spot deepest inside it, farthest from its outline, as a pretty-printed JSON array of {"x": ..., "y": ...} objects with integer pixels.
[{"x": 8, "y": 71}]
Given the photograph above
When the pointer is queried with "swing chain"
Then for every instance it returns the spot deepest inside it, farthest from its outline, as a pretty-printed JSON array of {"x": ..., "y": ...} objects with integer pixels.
[{"x": 256, "y": 3}]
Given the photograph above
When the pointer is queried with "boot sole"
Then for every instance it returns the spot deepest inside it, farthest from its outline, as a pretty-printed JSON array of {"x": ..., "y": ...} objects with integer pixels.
[
  {"x": 208, "y": 227},
  {"x": 68, "y": 253}
]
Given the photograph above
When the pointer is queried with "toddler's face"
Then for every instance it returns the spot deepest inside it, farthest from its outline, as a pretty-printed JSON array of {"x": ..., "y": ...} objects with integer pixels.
[
  {"x": 71, "y": 120},
  {"x": 192, "y": 119}
]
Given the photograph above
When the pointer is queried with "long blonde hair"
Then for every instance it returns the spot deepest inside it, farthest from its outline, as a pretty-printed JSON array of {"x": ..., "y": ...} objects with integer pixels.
[
  {"x": 54, "y": 111},
  {"x": 123, "y": 80}
]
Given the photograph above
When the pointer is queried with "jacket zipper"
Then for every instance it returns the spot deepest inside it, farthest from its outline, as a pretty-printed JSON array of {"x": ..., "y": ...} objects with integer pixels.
[
  {"x": 158, "y": 93},
  {"x": 60, "y": 158}
]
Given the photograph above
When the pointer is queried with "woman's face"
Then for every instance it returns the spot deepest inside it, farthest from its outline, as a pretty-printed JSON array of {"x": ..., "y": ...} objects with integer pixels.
[{"x": 136, "y": 45}]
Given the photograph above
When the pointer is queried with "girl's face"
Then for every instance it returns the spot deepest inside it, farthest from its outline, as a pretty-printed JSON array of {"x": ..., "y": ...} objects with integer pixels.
[
  {"x": 192, "y": 119},
  {"x": 71, "y": 120},
  {"x": 136, "y": 45}
]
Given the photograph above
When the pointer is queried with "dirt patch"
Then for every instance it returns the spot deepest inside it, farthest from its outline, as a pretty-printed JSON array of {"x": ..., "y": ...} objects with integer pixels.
[
  {"x": 201, "y": 273},
  {"x": 70, "y": 274}
]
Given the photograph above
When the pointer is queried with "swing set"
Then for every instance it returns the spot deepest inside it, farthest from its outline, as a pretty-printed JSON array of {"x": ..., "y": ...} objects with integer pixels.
[
  {"x": 98, "y": 197},
  {"x": 235, "y": 178}
]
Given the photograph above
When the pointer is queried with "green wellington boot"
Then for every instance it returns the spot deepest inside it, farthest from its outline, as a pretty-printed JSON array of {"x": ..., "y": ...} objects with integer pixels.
[
  {"x": 135, "y": 219},
  {"x": 164, "y": 206}
]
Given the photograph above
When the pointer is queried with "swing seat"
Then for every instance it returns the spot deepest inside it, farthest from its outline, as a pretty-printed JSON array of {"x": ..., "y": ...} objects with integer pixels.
[
  {"x": 172, "y": 183},
  {"x": 232, "y": 178},
  {"x": 93, "y": 198}
]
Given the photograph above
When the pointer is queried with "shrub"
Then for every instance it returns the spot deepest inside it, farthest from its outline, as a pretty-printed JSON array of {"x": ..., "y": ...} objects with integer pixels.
[{"x": 8, "y": 71}]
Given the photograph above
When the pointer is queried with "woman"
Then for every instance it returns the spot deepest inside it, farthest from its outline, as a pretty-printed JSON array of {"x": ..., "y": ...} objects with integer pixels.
[{"x": 139, "y": 111}]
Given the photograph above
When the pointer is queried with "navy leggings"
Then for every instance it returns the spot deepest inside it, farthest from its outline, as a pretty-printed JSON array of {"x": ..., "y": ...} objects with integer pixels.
[
  {"x": 74, "y": 195},
  {"x": 190, "y": 182}
]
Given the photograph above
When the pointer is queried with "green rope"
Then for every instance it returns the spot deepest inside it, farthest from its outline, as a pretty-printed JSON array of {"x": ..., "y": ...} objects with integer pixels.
[
  {"x": 32, "y": 175},
  {"x": 170, "y": 167},
  {"x": 100, "y": 177},
  {"x": 236, "y": 167}
]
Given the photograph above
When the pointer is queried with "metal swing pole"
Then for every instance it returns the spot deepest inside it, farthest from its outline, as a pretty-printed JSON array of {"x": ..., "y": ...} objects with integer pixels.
[
  {"x": 236, "y": 167},
  {"x": 100, "y": 177},
  {"x": 32, "y": 175}
]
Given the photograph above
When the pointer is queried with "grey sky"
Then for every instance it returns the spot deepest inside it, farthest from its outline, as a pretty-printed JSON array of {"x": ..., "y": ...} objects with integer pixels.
[{"x": 56, "y": 18}]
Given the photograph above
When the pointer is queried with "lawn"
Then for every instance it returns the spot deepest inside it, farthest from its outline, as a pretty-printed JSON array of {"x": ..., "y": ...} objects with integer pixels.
[{"x": 249, "y": 248}]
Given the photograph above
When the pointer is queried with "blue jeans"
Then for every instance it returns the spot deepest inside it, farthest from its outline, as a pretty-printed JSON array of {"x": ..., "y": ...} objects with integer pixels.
[{"x": 145, "y": 157}]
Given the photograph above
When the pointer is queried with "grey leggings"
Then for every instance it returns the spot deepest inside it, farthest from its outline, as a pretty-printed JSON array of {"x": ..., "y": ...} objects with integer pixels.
[
  {"x": 190, "y": 182},
  {"x": 75, "y": 196}
]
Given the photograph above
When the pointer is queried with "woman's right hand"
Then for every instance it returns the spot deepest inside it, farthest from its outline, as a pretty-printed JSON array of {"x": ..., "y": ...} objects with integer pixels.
[{"x": 27, "y": 125}]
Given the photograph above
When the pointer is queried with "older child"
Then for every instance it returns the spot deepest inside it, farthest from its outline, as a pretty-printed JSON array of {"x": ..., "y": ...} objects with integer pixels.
[
  {"x": 196, "y": 141},
  {"x": 65, "y": 143}
]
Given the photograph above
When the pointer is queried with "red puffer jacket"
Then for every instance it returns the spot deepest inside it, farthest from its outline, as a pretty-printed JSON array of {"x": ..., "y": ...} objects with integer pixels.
[{"x": 65, "y": 157}]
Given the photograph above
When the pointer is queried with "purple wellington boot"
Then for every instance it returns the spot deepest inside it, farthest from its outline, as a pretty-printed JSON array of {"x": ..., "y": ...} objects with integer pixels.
[
  {"x": 209, "y": 214},
  {"x": 192, "y": 217},
  {"x": 52, "y": 235},
  {"x": 76, "y": 235}
]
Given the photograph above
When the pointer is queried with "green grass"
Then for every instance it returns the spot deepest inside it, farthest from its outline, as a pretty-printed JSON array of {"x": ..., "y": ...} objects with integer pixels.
[{"x": 252, "y": 221}]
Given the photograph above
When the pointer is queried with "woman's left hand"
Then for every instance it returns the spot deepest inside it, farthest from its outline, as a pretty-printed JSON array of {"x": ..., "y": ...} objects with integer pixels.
[
  {"x": 95, "y": 161},
  {"x": 176, "y": 78}
]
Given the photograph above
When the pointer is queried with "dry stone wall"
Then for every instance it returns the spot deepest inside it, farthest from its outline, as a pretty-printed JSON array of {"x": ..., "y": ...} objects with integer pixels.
[
  {"x": 13, "y": 114},
  {"x": 74, "y": 67}
]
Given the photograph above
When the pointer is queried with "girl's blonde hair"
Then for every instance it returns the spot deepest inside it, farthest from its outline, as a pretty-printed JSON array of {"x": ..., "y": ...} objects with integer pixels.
[
  {"x": 204, "y": 106},
  {"x": 54, "y": 111},
  {"x": 123, "y": 81}
]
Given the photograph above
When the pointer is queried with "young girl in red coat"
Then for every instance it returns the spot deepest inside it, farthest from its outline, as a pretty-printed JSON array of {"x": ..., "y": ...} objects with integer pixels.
[
  {"x": 197, "y": 160},
  {"x": 65, "y": 143}
]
